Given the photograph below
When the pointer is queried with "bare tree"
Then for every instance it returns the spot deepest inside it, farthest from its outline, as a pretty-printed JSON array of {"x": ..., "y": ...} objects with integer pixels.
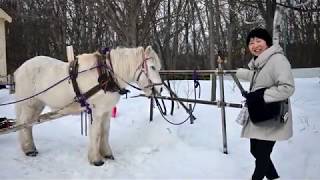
[{"x": 188, "y": 33}]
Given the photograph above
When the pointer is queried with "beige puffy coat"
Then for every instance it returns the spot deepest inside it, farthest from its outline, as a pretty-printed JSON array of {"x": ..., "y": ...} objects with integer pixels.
[{"x": 274, "y": 73}]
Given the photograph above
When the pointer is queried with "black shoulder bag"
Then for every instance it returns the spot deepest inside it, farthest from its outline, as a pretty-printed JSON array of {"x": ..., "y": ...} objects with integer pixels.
[{"x": 259, "y": 110}]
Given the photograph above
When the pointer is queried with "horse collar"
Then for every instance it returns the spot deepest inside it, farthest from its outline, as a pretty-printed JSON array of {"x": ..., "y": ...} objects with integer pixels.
[{"x": 106, "y": 81}]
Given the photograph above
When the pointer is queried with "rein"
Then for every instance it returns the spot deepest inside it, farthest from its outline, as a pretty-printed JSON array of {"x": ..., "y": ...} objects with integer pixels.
[
  {"x": 104, "y": 82},
  {"x": 41, "y": 92},
  {"x": 190, "y": 111}
]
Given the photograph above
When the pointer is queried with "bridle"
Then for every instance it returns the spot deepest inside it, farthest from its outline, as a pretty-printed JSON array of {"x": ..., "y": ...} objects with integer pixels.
[{"x": 142, "y": 69}]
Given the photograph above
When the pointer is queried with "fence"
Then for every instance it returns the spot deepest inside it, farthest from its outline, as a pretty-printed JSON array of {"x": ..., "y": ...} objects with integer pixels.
[{"x": 220, "y": 103}]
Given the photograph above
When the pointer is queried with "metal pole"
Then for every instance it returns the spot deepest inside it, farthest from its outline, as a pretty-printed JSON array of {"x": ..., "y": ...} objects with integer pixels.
[
  {"x": 236, "y": 80},
  {"x": 175, "y": 96},
  {"x": 85, "y": 124},
  {"x": 222, "y": 106},
  {"x": 202, "y": 72},
  {"x": 191, "y": 117},
  {"x": 151, "y": 109},
  {"x": 198, "y": 101},
  {"x": 213, "y": 79}
]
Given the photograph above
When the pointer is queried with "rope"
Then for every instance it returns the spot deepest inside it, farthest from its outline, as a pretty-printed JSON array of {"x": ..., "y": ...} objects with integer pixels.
[
  {"x": 196, "y": 85},
  {"x": 162, "y": 114},
  {"x": 41, "y": 92}
]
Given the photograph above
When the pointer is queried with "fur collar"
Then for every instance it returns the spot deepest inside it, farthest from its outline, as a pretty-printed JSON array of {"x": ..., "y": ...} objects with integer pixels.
[{"x": 263, "y": 58}]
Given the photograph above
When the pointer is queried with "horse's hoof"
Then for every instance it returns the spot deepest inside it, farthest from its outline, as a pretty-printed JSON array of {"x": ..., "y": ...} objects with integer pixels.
[
  {"x": 111, "y": 157},
  {"x": 98, "y": 163},
  {"x": 32, "y": 153}
]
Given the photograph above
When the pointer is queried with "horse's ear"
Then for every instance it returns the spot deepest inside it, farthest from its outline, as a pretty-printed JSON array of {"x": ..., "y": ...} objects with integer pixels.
[
  {"x": 97, "y": 52},
  {"x": 148, "y": 50}
]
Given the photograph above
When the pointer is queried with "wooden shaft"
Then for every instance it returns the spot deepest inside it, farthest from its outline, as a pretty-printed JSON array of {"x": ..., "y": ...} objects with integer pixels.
[{"x": 42, "y": 118}]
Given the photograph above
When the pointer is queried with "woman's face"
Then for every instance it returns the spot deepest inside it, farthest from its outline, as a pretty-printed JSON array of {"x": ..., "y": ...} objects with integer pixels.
[{"x": 257, "y": 46}]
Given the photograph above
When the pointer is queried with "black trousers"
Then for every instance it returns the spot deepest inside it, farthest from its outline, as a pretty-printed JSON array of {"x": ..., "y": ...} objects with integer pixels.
[{"x": 261, "y": 150}]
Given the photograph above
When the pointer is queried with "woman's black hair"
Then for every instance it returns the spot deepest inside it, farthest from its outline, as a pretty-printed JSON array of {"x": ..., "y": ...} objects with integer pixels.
[{"x": 260, "y": 33}]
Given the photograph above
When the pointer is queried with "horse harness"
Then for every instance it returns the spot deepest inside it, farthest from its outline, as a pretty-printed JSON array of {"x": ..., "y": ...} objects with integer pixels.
[{"x": 106, "y": 80}]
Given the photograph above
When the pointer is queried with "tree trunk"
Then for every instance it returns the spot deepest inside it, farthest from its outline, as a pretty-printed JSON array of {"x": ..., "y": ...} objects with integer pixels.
[
  {"x": 267, "y": 9},
  {"x": 212, "y": 50},
  {"x": 231, "y": 37},
  {"x": 218, "y": 33}
]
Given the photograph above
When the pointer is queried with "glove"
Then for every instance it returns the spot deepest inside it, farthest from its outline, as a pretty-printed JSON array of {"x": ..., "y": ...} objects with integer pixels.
[
  {"x": 258, "y": 109},
  {"x": 255, "y": 96}
]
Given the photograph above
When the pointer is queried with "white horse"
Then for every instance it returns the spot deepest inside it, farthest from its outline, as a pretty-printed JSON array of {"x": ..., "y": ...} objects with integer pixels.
[{"x": 137, "y": 65}]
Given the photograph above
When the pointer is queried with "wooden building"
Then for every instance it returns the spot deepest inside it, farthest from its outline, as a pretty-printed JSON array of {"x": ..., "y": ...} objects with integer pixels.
[{"x": 3, "y": 60}]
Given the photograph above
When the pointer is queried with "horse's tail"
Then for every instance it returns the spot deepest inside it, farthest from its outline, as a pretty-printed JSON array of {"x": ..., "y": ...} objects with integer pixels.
[{"x": 24, "y": 78}]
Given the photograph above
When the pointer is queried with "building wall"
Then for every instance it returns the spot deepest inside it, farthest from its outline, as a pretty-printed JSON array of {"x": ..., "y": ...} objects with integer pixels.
[{"x": 3, "y": 64}]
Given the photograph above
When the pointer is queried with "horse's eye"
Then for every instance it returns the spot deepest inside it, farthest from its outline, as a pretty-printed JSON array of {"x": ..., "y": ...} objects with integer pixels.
[{"x": 153, "y": 68}]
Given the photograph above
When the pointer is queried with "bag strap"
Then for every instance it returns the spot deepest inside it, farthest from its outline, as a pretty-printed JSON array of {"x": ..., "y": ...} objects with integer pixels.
[
  {"x": 257, "y": 71},
  {"x": 255, "y": 75},
  {"x": 251, "y": 82}
]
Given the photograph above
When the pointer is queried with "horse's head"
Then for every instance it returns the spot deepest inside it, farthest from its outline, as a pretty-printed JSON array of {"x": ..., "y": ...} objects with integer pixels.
[{"x": 147, "y": 74}]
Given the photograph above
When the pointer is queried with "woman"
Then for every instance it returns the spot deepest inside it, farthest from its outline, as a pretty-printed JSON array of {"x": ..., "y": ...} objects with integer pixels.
[{"x": 271, "y": 81}]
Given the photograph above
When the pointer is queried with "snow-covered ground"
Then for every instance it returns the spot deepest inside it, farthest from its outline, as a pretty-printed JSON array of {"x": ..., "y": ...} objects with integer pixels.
[
  {"x": 306, "y": 72},
  {"x": 159, "y": 150}
]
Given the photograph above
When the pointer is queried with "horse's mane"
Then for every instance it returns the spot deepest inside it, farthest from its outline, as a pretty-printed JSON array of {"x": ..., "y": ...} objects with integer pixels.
[{"x": 125, "y": 61}]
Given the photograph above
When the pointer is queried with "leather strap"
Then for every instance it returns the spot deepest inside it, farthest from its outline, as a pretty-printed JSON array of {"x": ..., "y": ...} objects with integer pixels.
[
  {"x": 73, "y": 72},
  {"x": 106, "y": 81}
]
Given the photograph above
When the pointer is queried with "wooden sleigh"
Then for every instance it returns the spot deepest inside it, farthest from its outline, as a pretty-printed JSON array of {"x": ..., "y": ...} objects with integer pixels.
[{"x": 10, "y": 125}]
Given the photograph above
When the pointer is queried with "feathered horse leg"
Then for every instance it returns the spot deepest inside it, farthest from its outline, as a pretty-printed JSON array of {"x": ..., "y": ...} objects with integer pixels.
[
  {"x": 95, "y": 155},
  {"x": 105, "y": 148},
  {"x": 28, "y": 114}
]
